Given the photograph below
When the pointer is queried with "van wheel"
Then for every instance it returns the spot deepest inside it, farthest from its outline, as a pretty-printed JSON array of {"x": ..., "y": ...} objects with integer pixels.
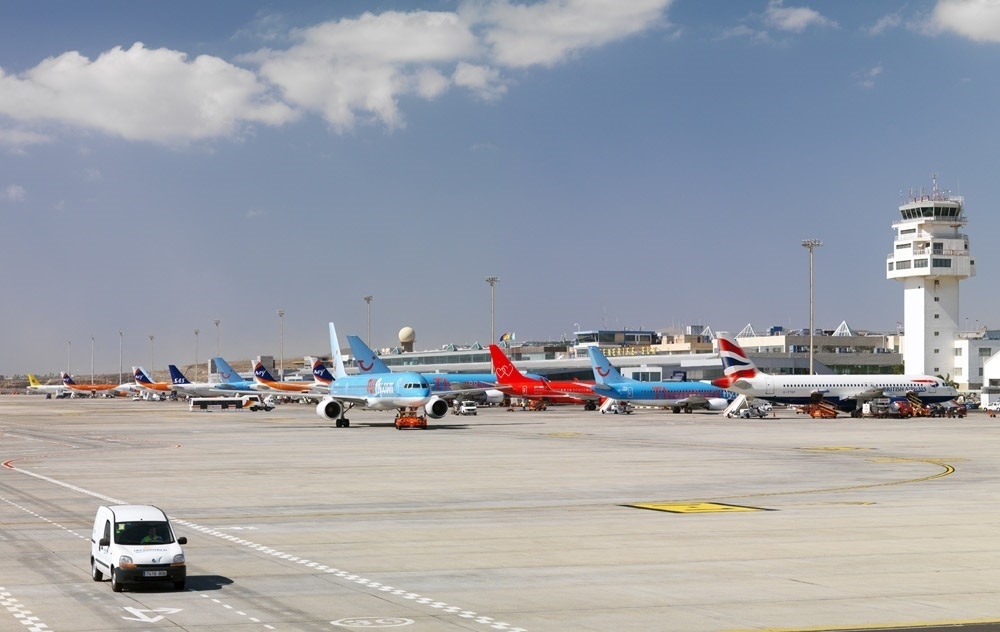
[
  {"x": 115, "y": 584},
  {"x": 95, "y": 574}
]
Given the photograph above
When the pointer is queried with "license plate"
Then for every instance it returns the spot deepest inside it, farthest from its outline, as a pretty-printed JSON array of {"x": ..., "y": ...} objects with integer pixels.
[{"x": 154, "y": 573}]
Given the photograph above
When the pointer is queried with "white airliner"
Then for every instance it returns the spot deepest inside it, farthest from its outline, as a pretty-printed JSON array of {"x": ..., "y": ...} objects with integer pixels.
[{"x": 843, "y": 391}]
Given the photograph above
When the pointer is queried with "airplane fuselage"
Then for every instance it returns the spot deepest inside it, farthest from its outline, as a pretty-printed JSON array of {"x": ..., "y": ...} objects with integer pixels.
[{"x": 843, "y": 390}]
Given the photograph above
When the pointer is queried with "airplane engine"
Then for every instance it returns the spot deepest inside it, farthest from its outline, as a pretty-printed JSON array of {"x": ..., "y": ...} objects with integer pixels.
[
  {"x": 436, "y": 408},
  {"x": 329, "y": 409},
  {"x": 494, "y": 396},
  {"x": 717, "y": 403}
]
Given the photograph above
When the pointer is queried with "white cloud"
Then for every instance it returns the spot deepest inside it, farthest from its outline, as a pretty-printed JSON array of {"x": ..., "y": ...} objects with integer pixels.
[
  {"x": 885, "y": 23},
  {"x": 866, "y": 78},
  {"x": 141, "y": 94},
  {"x": 18, "y": 139},
  {"x": 547, "y": 33},
  {"x": 977, "y": 20},
  {"x": 794, "y": 19},
  {"x": 15, "y": 193},
  {"x": 349, "y": 71},
  {"x": 361, "y": 66},
  {"x": 482, "y": 80}
]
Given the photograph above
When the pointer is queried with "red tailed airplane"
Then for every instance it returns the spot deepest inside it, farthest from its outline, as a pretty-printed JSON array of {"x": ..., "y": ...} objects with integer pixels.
[{"x": 516, "y": 384}]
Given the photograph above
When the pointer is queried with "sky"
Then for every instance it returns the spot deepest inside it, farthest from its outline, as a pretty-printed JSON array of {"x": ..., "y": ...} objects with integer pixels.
[{"x": 649, "y": 164}]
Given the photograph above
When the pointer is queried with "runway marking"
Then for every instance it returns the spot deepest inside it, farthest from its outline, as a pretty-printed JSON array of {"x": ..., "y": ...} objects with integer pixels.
[
  {"x": 22, "y": 614},
  {"x": 911, "y": 627},
  {"x": 695, "y": 507},
  {"x": 835, "y": 448},
  {"x": 357, "y": 579}
]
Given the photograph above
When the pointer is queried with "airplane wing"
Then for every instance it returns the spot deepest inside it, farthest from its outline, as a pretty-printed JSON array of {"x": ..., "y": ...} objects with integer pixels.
[{"x": 868, "y": 393}]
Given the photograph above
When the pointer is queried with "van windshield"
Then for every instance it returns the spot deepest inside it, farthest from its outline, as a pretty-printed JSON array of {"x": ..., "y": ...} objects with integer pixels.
[{"x": 143, "y": 532}]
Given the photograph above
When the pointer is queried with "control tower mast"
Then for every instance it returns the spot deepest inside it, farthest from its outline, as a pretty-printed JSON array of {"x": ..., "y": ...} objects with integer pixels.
[{"x": 930, "y": 257}]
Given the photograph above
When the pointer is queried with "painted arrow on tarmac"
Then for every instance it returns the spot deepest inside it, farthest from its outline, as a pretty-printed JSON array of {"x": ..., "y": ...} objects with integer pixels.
[{"x": 140, "y": 614}]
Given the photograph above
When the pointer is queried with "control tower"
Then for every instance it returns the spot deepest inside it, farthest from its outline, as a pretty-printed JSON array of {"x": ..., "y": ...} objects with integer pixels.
[{"x": 930, "y": 257}]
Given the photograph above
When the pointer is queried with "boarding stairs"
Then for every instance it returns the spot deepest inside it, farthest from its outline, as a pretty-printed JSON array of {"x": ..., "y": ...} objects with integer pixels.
[{"x": 735, "y": 406}]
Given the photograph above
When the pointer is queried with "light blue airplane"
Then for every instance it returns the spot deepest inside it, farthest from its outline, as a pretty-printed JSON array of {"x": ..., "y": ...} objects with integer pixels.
[
  {"x": 677, "y": 396},
  {"x": 405, "y": 391},
  {"x": 441, "y": 383},
  {"x": 230, "y": 380}
]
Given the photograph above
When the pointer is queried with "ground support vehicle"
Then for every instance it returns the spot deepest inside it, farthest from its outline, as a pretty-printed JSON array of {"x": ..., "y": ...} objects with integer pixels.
[
  {"x": 410, "y": 418},
  {"x": 135, "y": 544}
]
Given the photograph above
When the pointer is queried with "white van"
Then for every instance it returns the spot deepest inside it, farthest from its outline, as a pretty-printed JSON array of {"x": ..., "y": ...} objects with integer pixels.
[{"x": 135, "y": 544}]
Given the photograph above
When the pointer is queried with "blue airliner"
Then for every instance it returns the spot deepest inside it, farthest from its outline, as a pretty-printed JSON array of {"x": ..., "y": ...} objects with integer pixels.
[
  {"x": 677, "y": 396},
  {"x": 230, "y": 380},
  {"x": 441, "y": 383},
  {"x": 405, "y": 391}
]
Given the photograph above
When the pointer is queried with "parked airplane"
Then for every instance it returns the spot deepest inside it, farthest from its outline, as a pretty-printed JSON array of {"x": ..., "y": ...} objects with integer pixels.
[
  {"x": 321, "y": 376},
  {"x": 34, "y": 386},
  {"x": 89, "y": 389},
  {"x": 676, "y": 396},
  {"x": 145, "y": 383},
  {"x": 405, "y": 391},
  {"x": 843, "y": 391},
  {"x": 192, "y": 389},
  {"x": 470, "y": 384},
  {"x": 230, "y": 380},
  {"x": 515, "y": 383},
  {"x": 266, "y": 382}
]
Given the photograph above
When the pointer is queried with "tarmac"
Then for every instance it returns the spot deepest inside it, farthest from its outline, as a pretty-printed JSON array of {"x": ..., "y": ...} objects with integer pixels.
[{"x": 547, "y": 521}]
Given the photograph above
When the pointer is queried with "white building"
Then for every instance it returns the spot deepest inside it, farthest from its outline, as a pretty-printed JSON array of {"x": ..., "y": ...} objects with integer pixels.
[{"x": 930, "y": 257}]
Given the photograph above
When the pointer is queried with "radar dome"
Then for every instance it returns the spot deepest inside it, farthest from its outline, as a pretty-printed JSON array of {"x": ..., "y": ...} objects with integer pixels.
[{"x": 406, "y": 334}]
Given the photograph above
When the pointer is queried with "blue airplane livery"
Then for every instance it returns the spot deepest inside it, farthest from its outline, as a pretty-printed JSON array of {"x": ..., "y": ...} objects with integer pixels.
[
  {"x": 369, "y": 363},
  {"x": 676, "y": 396},
  {"x": 230, "y": 380},
  {"x": 405, "y": 391}
]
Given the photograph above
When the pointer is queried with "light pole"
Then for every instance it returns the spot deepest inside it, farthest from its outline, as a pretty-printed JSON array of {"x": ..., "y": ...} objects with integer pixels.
[
  {"x": 811, "y": 245},
  {"x": 281, "y": 344},
  {"x": 492, "y": 281},
  {"x": 368, "y": 299},
  {"x": 217, "y": 321},
  {"x": 92, "y": 360},
  {"x": 151, "y": 363},
  {"x": 121, "y": 343},
  {"x": 196, "y": 332},
  {"x": 69, "y": 345}
]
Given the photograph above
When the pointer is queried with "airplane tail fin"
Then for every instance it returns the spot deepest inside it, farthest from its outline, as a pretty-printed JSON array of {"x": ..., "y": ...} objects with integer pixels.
[
  {"x": 141, "y": 377},
  {"x": 261, "y": 374},
  {"x": 32, "y": 380},
  {"x": 321, "y": 375},
  {"x": 506, "y": 372},
  {"x": 176, "y": 377},
  {"x": 338, "y": 357},
  {"x": 735, "y": 363},
  {"x": 366, "y": 359},
  {"x": 226, "y": 373},
  {"x": 67, "y": 380},
  {"x": 604, "y": 373}
]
